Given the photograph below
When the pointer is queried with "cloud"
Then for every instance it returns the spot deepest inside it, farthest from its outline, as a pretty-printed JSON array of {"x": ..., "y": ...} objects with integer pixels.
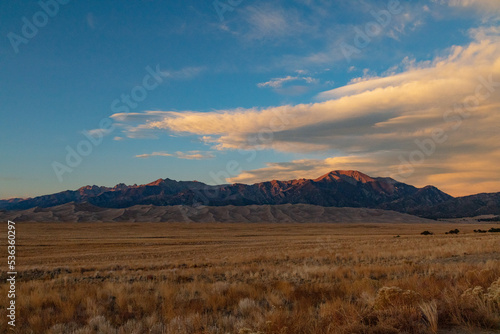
[
  {"x": 134, "y": 125},
  {"x": 195, "y": 155},
  {"x": 98, "y": 132},
  {"x": 270, "y": 22},
  {"x": 312, "y": 31},
  {"x": 184, "y": 73},
  {"x": 190, "y": 155},
  {"x": 339, "y": 39},
  {"x": 488, "y": 9},
  {"x": 278, "y": 82},
  {"x": 419, "y": 122},
  {"x": 481, "y": 4},
  {"x": 91, "y": 20},
  {"x": 131, "y": 117},
  {"x": 154, "y": 154}
]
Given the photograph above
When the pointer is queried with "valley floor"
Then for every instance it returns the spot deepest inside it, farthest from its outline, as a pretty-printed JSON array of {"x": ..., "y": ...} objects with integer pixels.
[{"x": 254, "y": 278}]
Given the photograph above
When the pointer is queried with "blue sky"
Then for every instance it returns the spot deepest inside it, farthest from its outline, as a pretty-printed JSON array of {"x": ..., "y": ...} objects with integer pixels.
[{"x": 246, "y": 91}]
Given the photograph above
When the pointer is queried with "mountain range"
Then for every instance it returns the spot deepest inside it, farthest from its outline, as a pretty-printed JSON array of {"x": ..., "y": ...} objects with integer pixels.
[{"x": 335, "y": 189}]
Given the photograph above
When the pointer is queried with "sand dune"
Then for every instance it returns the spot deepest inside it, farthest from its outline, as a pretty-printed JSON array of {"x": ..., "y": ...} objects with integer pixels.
[{"x": 298, "y": 213}]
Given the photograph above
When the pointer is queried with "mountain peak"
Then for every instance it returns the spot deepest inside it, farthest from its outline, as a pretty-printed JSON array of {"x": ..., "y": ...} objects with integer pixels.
[
  {"x": 89, "y": 187},
  {"x": 120, "y": 186},
  {"x": 158, "y": 182},
  {"x": 345, "y": 175},
  {"x": 92, "y": 189}
]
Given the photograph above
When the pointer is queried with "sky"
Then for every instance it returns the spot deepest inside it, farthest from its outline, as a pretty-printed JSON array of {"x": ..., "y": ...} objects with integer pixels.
[{"x": 108, "y": 92}]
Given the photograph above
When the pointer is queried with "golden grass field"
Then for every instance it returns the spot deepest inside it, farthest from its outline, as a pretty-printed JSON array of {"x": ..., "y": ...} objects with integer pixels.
[{"x": 253, "y": 278}]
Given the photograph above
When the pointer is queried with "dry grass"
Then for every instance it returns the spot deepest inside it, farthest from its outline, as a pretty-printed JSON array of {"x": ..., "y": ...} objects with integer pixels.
[{"x": 254, "y": 278}]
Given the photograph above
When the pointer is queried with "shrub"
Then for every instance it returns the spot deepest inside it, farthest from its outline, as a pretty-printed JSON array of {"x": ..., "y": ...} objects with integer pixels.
[
  {"x": 426, "y": 233},
  {"x": 393, "y": 296},
  {"x": 493, "y": 293}
]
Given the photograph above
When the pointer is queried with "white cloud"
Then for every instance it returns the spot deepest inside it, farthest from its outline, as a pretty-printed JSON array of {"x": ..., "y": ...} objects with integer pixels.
[
  {"x": 278, "y": 82},
  {"x": 190, "y": 155}
]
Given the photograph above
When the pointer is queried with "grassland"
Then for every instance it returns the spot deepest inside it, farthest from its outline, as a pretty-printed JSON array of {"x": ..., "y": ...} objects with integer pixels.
[{"x": 254, "y": 278}]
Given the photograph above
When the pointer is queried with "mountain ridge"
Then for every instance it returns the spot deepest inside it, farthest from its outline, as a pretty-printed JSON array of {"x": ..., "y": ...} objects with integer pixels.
[{"x": 340, "y": 188}]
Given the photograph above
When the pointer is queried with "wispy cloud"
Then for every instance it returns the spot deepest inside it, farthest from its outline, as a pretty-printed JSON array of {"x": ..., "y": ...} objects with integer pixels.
[
  {"x": 488, "y": 9},
  {"x": 190, "y": 155},
  {"x": 278, "y": 82},
  {"x": 98, "y": 132},
  {"x": 335, "y": 33},
  {"x": 154, "y": 154},
  {"x": 480, "y": 4},
  {"x": 270, "y": 21},
  {"x": 184, "y": 73},
  {"x": 91, "y": 21}
]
